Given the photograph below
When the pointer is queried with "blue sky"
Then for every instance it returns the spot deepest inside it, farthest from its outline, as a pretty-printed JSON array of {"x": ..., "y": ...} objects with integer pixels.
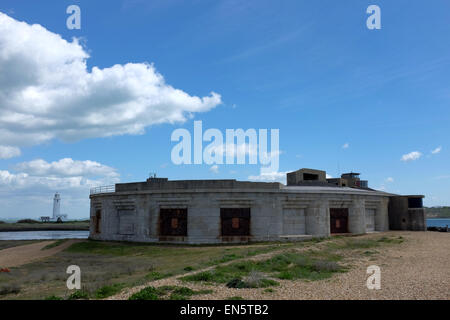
[{"x": 311, "y": 69}]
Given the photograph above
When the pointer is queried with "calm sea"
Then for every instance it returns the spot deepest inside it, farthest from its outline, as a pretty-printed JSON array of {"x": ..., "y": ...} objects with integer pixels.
[
  {"x": 43, "y": 235},
  {"x": 437, "y": 222}
]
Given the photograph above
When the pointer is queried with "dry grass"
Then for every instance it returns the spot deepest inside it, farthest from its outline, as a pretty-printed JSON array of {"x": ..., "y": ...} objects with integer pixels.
[{"x": 107, "y": 266}]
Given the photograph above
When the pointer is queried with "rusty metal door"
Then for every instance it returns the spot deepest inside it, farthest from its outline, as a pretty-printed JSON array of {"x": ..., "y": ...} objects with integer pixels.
[
  {"x": 173, "y": 222},
  {"x": 235, "y": 221},
  {"x": 338, "y": 220},
  {"x": 97, "y": 221}
]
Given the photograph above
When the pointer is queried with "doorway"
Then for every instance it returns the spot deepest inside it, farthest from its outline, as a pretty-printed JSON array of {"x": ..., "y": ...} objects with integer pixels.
[{"x": 339, "y": 220}]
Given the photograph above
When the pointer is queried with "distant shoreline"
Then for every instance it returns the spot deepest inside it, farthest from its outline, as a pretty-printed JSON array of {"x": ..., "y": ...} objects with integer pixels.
[
  {"x": 437, "y": 212},
  {"x": 67, "y": 226}
]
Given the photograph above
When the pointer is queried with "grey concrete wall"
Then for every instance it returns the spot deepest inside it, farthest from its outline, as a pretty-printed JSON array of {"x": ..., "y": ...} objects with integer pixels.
[
  {"x": 357, "y": 216},
  {"x": 294, "y": 221},
  {"x": 416, "y": 219},
  {"x": 381, "y": 215},
  {"x": 274, "y": 214},
  {"x": 401, "y": 217},
  {"x": 318, "y": 219}
]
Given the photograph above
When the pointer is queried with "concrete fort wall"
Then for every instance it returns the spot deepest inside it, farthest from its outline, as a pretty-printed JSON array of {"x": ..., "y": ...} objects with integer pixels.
[{"x": 276, "y": 214}]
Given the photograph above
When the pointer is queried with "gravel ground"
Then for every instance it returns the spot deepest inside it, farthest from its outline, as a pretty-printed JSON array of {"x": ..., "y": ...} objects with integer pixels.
[{"x": 418, "y": 268}]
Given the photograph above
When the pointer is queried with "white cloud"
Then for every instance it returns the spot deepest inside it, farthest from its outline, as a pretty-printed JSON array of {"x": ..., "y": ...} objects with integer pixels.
[
  {"x": 437, "y": 150},
  {"x": 411, "y": 156},
  {"x": 327, "y": 176},
  {"x": 66, "y": 167},
  {"x": 39, "y": 175},
  {"x": 28, "y": 191},
  {"x": 47, "y": 91},
  {"x": 7, "y": 152},
  {"x": 389, "y": 179},
  {"x": 270, "y": 177},
  {"x": 214, "y": 169},
  {"x": 346, "y": 145}
]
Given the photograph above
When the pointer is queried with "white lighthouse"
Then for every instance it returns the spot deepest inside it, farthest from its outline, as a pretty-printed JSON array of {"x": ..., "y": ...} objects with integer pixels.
[{"x": 57, "y": 208}]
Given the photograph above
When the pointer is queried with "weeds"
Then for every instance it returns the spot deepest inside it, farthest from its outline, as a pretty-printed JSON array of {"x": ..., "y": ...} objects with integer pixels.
[
  {"x": 251, "y": 274},
  {"x": 108, "y": 290},
  {"x": 78, "y": 295},
  {"x": 149, "y": 293},
  {"x": 167, "y": 292},
  {"x": 157, "y": 276},
  {"x": 9, "y": 289}
]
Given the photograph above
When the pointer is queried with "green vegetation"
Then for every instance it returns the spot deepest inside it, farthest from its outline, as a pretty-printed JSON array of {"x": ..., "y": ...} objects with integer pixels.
[
  {"x": 167, "y": 292},
  {"x": 253, "y": 274},
  {"x": 57, "y": 243},
  {"x": 33, "y": 225},
  {"x": 235, "y": 298},
  {"x": 152, "y": 276},
  {"x": 78, "y": 294},
  {"x": 105, "y": 264},
  {"x": 110, "y": 266},
  {"x": 28, "y": 221},
  {"x": 108, "y": 290},
  {"x": 438, "y": 212},
  {"x": 352, "y": 243}
]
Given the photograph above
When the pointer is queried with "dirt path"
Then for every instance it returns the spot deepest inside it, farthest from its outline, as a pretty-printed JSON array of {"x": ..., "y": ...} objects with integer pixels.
[
  {"x": 415, "y": 269},
  {"x": 17, "y": 256}
]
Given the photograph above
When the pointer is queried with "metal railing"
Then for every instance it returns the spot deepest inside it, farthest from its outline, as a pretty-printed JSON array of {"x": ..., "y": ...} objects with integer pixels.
[{"x": 103, "y": 189}]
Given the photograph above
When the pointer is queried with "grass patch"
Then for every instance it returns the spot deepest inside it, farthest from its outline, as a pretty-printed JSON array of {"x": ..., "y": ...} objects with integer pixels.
[
  {"x": 54, "y": 244},
  {"x": 235, "y": 298},
  {"x": 131, "y": 264},
  {"x": 78, "y": 295},
  {"x": 394, "y": 240},
  {"x": 167, "y": 292},
  {"x": 205, "y": 276},
  {"x": 149, "y": 293},
  {"x": 354, "y": 244},
  {"x": 154, "y": 275},
  {"x": 252, "y": 274},
  {"x": 108, "y": 290},
  {"x": 9, "y": 289}
]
